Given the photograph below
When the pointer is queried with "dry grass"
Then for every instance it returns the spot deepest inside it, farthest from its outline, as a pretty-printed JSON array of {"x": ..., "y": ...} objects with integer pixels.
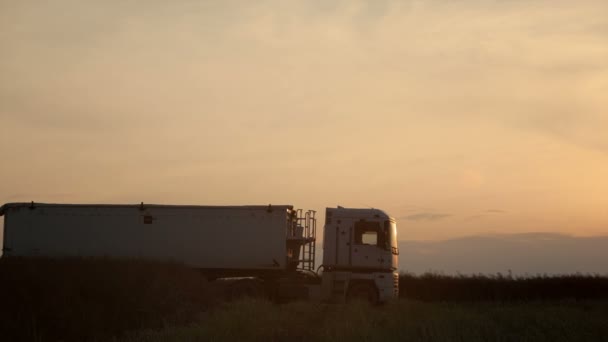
[
  {"x": 402, "y": 320},
  {"x": 136, "y": 300},
  {"x": 79, "y": 299}
]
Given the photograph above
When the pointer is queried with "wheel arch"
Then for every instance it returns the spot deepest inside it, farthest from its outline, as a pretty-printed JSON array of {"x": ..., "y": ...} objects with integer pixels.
[{"x": 355, "y": 283}]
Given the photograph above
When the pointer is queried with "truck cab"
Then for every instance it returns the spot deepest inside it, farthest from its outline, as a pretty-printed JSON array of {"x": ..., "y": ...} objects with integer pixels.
[{"x": 360, "y": 255}]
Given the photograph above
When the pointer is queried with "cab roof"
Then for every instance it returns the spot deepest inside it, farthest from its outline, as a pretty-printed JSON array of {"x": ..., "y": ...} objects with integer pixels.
[{"x": 357, "y": 212}]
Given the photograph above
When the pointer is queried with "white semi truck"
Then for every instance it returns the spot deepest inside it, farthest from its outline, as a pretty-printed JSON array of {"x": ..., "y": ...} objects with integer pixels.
[{"x": 268, "y": 249}]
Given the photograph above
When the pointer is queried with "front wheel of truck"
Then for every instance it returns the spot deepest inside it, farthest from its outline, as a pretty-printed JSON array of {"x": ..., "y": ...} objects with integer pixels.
[{"x": 363, "y": 292}]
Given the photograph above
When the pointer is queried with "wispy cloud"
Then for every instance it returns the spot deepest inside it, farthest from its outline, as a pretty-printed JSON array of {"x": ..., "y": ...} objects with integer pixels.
[
  {"x": 574, "y": 123},
  {"x": 485, "y": 213},
  {"x": 473, "y": 217},
  {"x": 426, "y": 217}
]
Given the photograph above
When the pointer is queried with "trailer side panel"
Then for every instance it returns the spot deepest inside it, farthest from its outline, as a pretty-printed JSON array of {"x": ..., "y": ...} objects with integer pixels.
[{"x": 247, "y": 237}]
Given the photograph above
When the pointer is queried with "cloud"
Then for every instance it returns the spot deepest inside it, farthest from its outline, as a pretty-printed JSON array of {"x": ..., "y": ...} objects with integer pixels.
[
  {"x": 426, "y": 217},
  {"x": 495, "y": 211},
  {"x": 485, "y": 213},
  {"x": 580, "y": 124},
  {"x": 473, "y": 217}
]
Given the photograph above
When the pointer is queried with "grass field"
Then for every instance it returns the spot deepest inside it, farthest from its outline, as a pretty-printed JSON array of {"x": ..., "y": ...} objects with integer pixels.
[
  {"x": 404, "y": 320},
  {"x": 137, "y": 300},
  {"x": 84, "y": 299}
]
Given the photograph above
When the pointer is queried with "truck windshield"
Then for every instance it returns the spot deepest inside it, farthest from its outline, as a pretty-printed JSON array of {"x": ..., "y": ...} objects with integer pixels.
[{"x": 390, "y": 229}]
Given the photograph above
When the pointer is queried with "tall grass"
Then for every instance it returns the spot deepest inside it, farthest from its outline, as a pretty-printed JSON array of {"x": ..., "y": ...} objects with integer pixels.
[
  {"x": 402, "y": 320},
  {"x": 96, "y": 299},
  {"x": 78, "y": 299}
]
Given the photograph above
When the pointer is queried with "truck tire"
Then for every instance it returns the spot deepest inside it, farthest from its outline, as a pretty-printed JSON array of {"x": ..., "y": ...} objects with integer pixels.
[
  {"x": 363, "y": 292},
  {"x": 251, "y": 288}
]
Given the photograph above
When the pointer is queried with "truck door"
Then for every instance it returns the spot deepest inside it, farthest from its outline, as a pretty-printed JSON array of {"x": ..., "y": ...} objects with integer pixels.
[
  {"x": 370, "y": 245},
  {"x": 336, "y": 244},
  {"x": 343, "y": 238}
]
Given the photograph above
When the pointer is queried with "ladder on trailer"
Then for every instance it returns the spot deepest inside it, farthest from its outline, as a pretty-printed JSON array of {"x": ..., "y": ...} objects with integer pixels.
[{"x": 308, "y": 223}]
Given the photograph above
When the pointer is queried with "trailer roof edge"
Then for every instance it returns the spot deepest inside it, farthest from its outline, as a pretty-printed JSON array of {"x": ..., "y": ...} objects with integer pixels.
[{"x": 4, "y": 207}]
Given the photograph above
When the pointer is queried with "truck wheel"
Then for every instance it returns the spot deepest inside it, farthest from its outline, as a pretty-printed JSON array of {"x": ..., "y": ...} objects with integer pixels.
[
  {"x": 246, "y": 288},
  {"x": 363, "y": 292}
]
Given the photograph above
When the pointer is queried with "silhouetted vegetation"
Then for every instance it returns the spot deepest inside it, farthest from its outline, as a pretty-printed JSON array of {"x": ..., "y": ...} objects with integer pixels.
[
  {"x": 438, "y": 287},
  {"x": 402, "y": 320},
  {"x": 78, "y": 299},
  {"x": 136, "y": 300}
]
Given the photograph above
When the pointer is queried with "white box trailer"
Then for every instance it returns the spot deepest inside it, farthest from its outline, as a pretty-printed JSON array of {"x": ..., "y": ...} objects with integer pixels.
[
  {"x": 204, "y": 237},
  {"x": 274, "y": 244}
]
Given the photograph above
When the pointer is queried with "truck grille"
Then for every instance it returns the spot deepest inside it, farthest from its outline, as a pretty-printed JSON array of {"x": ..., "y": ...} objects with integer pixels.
[{"x": 396, "y": 284}]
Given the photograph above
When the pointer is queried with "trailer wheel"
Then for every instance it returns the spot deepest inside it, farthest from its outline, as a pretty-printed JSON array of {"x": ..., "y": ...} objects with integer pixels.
[
  {"x": 363, "y": 292},
  {"x": 252, "y": 288}
]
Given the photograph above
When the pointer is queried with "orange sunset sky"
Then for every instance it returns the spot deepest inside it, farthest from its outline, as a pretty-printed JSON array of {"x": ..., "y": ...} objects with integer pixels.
[{"x": 456, "y": 117}]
